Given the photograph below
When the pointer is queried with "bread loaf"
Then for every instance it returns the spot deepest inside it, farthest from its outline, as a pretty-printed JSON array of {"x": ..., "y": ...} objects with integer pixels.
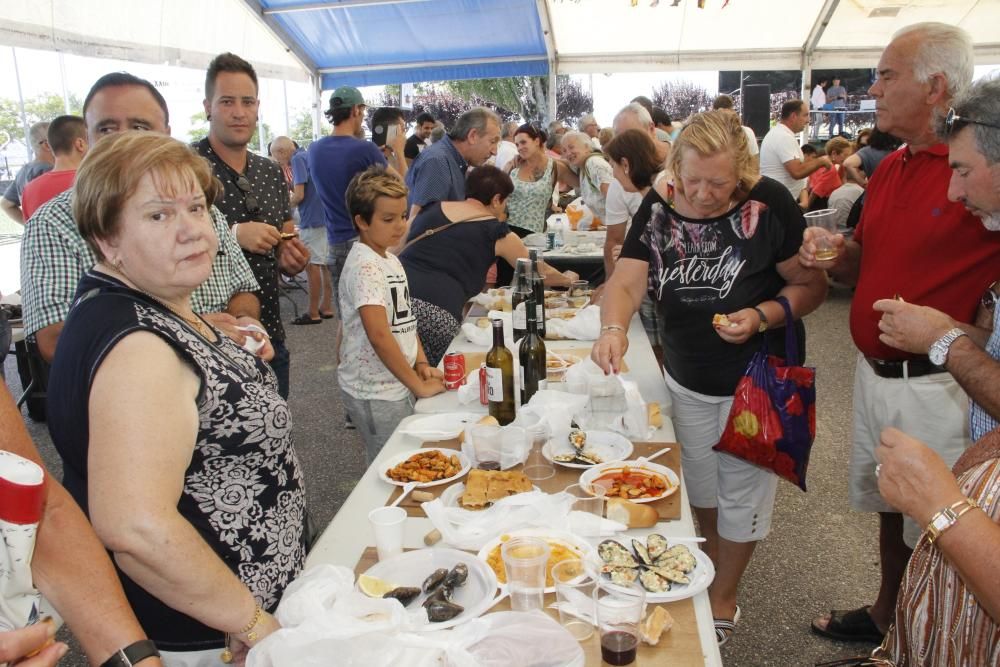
[{"x": 632, "y": 514}]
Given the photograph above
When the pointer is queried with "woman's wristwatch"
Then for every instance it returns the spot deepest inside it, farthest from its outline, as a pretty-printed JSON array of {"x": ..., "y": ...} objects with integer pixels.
[
  {"x": 948, "y": 517},
  {"x": 132, "y": 654},
  {"x": 763, "y": 320}
]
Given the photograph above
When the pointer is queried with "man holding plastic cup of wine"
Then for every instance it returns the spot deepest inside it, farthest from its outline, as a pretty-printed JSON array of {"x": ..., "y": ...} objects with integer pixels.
[{"x": 717, "y": 240}]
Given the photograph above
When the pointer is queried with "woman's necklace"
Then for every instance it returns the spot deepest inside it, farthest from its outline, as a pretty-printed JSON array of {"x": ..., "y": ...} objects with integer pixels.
[{"x": 194, "y": 322}]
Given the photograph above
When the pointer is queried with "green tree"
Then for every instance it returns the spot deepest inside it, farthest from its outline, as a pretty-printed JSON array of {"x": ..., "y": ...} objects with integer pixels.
[
  {"x": 444, "y": 105},
  {"x": 301, "y": 130},
  {"x": 199, "y": 130},
  {"x": 681, "y": 99},
  {"x": 45, "y": 106},
  {"x": 528, "y": 96}
]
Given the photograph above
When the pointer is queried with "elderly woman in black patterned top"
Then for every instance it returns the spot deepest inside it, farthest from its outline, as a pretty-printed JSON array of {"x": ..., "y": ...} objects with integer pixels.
[
  {"x": 715, "y": 238},
  {"x": 174, "y": 439}
]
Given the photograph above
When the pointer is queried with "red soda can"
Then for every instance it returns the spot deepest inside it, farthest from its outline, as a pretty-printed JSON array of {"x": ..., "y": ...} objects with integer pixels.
[
  {"x": 454, "y": 370},
  {"x": 484, "y": 396}
]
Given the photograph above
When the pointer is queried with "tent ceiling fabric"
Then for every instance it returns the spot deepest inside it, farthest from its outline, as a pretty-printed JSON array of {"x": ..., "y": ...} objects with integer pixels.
[
  {"x": 423, "y": 40},
  {"x": 187, "y": 33},
  {"x": 370, "y": 42}
]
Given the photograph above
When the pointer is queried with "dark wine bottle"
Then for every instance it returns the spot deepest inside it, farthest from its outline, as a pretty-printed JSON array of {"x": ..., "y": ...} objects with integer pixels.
[
  {"x": 538, "y": 289},
  {"x": 500, "y": 378},
  {"x": 521, "y": 291},
  {"x": 531, "y": 354}
]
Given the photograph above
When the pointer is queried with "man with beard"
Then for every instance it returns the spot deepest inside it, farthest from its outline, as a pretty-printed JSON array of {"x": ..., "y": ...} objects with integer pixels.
[{"x": 255, "y": 195}]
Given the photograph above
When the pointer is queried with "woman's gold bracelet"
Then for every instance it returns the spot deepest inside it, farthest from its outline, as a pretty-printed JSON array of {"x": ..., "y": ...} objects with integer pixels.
[{"x": 613, "y": 327}]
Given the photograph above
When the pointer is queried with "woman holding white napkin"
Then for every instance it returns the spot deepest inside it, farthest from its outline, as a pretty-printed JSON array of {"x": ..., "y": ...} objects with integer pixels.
[
  {"x": 449, "y": 249},
  {"x": 175, "y": 440},
  {"x": 718, "y": 239}
]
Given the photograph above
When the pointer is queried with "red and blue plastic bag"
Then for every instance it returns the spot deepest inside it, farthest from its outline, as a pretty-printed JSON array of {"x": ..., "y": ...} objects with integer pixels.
[{"x": 772, "y": 423}]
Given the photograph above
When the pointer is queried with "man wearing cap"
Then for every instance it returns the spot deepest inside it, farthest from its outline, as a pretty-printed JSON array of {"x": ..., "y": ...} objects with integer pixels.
[{"x": 333, "y": 162}]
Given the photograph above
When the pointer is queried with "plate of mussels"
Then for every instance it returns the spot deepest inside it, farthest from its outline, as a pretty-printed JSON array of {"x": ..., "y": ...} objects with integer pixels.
[
  {"x": 584, "y": 449},
  {"x": 667, "y": 570},
  {"x": 453, "y": 586}
]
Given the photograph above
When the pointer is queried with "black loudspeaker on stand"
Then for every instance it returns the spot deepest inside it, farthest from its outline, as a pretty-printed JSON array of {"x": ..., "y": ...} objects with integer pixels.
[{"x": 757, "y": 108}]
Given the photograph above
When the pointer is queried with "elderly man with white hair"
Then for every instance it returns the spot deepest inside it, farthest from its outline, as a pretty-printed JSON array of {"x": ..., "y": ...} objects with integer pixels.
[
  {"x": 588, "y": 125},
  {"x": 914, "y": 244}
]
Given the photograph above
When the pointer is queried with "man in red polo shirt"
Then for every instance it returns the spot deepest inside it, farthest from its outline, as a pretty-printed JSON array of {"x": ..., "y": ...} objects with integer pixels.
[
  {"x": 67, "y": 136},
  {"x": 914, "y": 244}
]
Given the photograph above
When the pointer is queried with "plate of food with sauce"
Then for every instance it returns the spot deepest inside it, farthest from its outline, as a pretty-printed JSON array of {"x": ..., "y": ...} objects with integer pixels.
[{"x": 638, "y": 481}]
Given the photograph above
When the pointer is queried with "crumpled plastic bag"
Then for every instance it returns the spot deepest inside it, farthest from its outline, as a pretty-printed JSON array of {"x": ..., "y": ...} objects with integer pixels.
[
  {"x": 629, "y": 417},
  {"x": 579, "y": 211},
  {"x": 465, "y": 529},
  {"x": 511, "y": 441},
  {"x": 586, "y": 325},
  {"x": 483, "y": 336},
  {"x": 527, "y": 639},
  {"x": 326, "y": 622},
  {"x": 322, "y": 615}
]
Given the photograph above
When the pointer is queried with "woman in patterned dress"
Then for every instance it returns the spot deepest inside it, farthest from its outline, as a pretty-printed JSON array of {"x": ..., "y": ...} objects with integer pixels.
[
  {"x": 535, "y": 176},
  {"x": 174, "y": 439}
]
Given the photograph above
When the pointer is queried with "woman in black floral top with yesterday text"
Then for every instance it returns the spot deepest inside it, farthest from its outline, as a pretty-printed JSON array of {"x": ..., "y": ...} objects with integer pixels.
[{"x": 175, "y": 440}]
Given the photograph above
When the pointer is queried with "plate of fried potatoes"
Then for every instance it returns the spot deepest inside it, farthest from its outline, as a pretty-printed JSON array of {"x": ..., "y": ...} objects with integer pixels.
[{"x": 427, "y": 467}]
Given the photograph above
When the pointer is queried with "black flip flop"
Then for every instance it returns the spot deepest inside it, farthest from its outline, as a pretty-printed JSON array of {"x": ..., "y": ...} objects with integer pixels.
[
  {"x": 305, "y": 319},
  {"x": 855, "y": 625},
  {"x": 326, "y": 316}
]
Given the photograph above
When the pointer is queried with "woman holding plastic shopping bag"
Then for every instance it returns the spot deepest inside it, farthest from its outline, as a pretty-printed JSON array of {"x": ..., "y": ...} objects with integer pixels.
[{"x": 713, "y": 248}]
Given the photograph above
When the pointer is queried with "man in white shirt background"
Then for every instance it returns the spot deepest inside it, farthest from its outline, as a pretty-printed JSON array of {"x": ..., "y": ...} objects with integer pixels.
[
  {"x": 818, "y": 103},
  {"x": 781, "y": 154},
  {"x": 506, "y": 150}
]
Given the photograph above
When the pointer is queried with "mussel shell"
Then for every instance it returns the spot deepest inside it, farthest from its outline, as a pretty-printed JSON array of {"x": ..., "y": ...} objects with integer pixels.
[
  {"x": 578, "y": 439},
  {"x": 441, "y": 593},
  {"x": 653, "y": 582},
  {"x": 443, "y": 610},
  {"x": 405, "y": 594},
  {"x": 613, "y": 553},
  {"x": 457, "y": 576},
  {"x": 622, "y": 576},
  {"x": 671, "y": 574},
  {"x": 656, "y": 545},
  {"x": 641, "y": 552},
  {"x": 435, "y": 580}
]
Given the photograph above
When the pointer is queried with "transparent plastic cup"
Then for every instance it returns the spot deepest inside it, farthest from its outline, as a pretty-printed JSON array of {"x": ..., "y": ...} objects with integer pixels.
[
  {"x": 575, "y": 597},
  {"x": 825, "y": 219},
  {"x": 525, "y": 561}
]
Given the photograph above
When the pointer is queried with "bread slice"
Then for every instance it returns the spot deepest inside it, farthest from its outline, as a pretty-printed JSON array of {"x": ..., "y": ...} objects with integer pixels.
[{"x": 655, "y": 624}]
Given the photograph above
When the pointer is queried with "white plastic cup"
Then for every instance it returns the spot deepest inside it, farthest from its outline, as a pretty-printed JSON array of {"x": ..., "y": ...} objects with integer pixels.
[
  {"x": 525, "y": 561},
  {"x": 387, "y": 524}
]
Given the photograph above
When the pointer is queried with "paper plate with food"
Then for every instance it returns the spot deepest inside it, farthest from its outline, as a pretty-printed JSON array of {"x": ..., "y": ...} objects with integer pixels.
[
  {"x": 668, "y": 570},
  {"x": 638, "y": 481},
  {"x": 556, "y": 364},
  {"x": 482, "y": 488},
  {"x": 563, "y": 546},
  {"x": 586, "y": 449},
  {"x": 452, "y": 586},
  {"x": 427, "y": 467}
]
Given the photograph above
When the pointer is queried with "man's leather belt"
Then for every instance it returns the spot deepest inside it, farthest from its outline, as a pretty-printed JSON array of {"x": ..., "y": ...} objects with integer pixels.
[{"x": 894, "y": 369}]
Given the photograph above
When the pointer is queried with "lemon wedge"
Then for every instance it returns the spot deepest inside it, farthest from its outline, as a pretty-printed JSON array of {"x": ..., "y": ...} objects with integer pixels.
[{"x": 373, "y": 586}]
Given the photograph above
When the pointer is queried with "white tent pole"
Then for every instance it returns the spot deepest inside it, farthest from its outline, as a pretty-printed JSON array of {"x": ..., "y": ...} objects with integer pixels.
[
  {"x": 284, "y": 92},
  {"x": 20, "y": 100},
  {"x": 553, "y": 101},
  {"x": 317, "y": 101},
  {"x": 62, "y": 76}
]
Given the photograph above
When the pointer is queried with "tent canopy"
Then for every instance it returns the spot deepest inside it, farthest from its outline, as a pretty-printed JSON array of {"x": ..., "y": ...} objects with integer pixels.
[{"x": 369, "y": 42}]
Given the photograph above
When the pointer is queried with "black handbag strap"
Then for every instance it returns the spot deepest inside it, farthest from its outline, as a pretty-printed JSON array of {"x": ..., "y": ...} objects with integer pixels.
[{"x": 791, "y": 342}]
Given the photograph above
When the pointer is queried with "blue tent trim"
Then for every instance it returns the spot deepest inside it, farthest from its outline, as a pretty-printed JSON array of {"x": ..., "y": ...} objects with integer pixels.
[{"x": 422, "y": 40}]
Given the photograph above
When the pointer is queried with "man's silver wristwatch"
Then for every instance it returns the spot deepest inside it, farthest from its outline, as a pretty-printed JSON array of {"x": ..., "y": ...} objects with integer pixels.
[{"x": 938, "y": 352}]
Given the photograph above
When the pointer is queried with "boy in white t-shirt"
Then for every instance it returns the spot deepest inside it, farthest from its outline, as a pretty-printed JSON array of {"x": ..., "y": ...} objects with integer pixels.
[{"x": 382, "y": 362}]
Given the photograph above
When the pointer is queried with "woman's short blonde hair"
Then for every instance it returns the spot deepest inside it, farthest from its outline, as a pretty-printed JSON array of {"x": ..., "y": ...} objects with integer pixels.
[
  {"x": 112, "y": 170},
  {"x": 710, "y": 133},
  {"x": 837, "y": 145}
]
